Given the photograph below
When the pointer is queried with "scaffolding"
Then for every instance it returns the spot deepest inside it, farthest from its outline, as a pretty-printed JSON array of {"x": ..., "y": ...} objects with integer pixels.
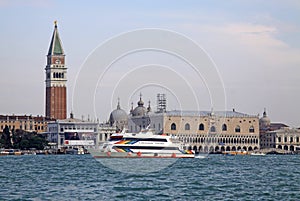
[{"x": 161, "y": 103}]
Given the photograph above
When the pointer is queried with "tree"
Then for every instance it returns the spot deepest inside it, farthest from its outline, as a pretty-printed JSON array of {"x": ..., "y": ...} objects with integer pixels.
[
  {"x": 24, "y": 144},
  {"x": 22, "y": 139},
  {"x": 6, "y": 137}
]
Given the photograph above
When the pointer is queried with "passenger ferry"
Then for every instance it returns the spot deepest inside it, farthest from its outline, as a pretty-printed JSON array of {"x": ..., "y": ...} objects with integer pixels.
[{"x": 144, "y": 144}]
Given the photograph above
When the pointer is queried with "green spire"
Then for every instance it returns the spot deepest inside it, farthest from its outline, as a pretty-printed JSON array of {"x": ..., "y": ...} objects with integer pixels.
[{"x": 55, "y": 45}]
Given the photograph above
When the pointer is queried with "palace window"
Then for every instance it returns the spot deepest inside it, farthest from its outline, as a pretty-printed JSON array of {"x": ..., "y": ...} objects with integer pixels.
[
  {"x": 251, "y": 129},
  {"x": 237, "y": 129},
  {"x": 201, "y": 127},
  {"x": 224, "y": 127},
  {"x": 187, "y": 126},
  {"x": 173, "y": 126},
  {"x": 213, "y": 129},
  {"x": 279, "y": 139}
]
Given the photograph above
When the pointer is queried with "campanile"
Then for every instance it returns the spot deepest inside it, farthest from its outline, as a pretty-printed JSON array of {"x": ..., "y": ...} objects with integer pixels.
[{"x": 56, "y": 79}]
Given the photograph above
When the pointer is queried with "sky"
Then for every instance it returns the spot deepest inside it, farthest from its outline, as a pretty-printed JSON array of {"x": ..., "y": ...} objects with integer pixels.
[{"x": 254, "y": 46}]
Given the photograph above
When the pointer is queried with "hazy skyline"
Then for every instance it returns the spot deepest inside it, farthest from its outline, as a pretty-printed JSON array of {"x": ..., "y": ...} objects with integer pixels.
[{"x": 254, "y": 44}]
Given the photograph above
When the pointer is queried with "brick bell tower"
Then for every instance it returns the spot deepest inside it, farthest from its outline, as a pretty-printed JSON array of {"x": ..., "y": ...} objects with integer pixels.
[{"x": 56, "y": 79}]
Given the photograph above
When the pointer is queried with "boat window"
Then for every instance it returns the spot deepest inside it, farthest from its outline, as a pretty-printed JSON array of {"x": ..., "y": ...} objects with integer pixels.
[
  {"x": 115, "y": 138},
  {"x": 147, "y": 139},
  {"x": 146, "y": 147}
]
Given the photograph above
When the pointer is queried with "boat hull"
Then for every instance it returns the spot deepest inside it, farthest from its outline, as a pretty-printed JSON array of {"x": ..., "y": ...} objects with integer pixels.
[{"x": 99, "y": 154}]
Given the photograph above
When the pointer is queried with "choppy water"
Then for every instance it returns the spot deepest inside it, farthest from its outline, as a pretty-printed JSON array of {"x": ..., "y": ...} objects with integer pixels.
[{"x": 71, "y": 177}]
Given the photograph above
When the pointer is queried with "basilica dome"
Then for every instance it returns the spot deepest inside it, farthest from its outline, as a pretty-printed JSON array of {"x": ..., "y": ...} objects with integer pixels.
[
  {"x": 118, "y": 117},
  {"x": 140, "y": 110},
  {"x": 265, "y": 121}
]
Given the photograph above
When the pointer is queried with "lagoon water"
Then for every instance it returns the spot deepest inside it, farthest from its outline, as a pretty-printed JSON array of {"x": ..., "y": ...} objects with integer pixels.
[{"x": 218, "y": 177}]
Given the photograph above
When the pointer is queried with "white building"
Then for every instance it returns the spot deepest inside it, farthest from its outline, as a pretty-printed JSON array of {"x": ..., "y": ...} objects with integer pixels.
[
  {"x": 277, "y": 135},
  {"x": 75, "y": 133},
  {"x": 286, "y": 138},
  {"x": 72, "y": 132}
]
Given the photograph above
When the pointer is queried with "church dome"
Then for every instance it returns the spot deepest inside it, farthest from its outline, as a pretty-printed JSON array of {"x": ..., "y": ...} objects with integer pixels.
[
  {"x": 118, "y": 117},
  {"x": 140, "y": 110},
  {"x": 140, "y": 103},
  {"x": 265, "y": 121}
]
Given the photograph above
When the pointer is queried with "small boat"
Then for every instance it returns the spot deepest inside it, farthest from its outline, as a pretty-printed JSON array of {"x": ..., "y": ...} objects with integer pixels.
[
  {"x": 257, "y": 154},
  {"x": 201, "y": 156},
  {"x": 233, "y": 153},
  {"x": 144, "y": 144},
  {"x": 6, "y": 152},
  {"x": 75, "y": 151},
  {"x": 229, "y": 153},
  {"x": 72, "y": 151}
]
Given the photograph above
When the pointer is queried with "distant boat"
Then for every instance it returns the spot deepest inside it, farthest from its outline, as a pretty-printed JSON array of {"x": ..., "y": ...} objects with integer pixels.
[
  {"x": 257, "y": 154},
  {"x": 75, "y": 151},
  {"x": 201, "y": 156},
  {"x": 233, "y": 153},
  {"x": 6, "y": 152}
]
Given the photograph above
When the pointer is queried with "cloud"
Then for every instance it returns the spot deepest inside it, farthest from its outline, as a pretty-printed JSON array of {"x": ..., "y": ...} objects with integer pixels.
[
  {"x": 259, "y": 67},
  {"x": 258, "y": 39},
  {"x": 262, "y": 40}
]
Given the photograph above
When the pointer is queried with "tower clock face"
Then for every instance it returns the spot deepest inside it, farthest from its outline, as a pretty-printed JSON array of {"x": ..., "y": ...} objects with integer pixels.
[{"x": 57, "y": 61}]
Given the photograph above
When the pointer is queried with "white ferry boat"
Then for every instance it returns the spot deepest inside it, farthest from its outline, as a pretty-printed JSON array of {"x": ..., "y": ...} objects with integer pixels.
[{"x": 144, "y": 144}]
